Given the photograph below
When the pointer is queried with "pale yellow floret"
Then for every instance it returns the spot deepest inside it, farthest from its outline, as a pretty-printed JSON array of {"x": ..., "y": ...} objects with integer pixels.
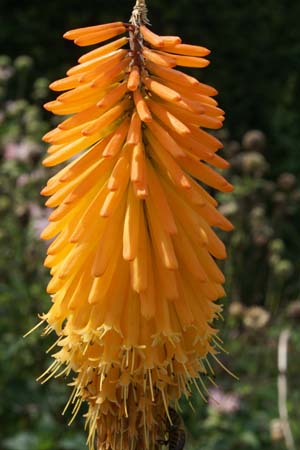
[{"x": 131, "y": 226}]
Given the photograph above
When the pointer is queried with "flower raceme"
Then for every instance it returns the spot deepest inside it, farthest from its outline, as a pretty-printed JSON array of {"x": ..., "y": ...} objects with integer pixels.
[{"x": 134, "y": 279}]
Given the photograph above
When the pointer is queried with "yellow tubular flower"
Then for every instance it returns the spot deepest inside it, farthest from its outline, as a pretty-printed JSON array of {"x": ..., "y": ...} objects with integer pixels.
[{"x": 134, "y": 280}]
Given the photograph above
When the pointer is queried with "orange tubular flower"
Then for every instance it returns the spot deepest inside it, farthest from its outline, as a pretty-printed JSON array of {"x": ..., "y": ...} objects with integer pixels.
[{"x": 134, "y": 281}]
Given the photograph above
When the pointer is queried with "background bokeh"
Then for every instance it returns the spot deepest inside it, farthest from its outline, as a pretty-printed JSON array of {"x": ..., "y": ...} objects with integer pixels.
[{"x": 256, "y": 68}]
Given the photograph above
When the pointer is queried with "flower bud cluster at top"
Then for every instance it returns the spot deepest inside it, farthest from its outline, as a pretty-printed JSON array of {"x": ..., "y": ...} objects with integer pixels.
[
  {"x": 139, "y": 14},
  {"x": 138, "y": 18}
]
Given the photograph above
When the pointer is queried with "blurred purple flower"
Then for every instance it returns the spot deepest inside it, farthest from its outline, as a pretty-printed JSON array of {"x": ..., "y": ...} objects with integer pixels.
[
  {"x": 26, "y": 178},
  {"x": 224, "y": 403},
  {"x": 6, "y": 72},
  {"x": 22, "y": 180},
  {"x": 17, "y": 150}
]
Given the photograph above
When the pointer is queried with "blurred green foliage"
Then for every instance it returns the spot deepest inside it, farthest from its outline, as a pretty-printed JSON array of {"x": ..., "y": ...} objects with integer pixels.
[
  {"x": 256, "y": 62},
  {"x": 266, "y": 214},
  {"x": 30, "y": 414}
]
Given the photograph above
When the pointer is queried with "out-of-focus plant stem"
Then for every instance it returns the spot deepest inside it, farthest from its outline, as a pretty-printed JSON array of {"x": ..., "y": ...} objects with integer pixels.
[{"x": 282, "y": 389}]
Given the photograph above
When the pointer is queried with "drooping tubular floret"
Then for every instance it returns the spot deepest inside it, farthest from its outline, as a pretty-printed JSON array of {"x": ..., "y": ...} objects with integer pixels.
[{"x": 134, "y": 279}]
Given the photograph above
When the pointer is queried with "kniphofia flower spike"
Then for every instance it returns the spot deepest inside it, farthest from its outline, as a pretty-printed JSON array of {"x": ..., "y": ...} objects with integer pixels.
[{"x": 134, "y": 279}]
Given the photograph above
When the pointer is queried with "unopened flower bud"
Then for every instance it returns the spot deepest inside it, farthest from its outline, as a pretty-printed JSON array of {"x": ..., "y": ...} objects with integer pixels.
[
  {"x": 256, "y": 317},
  {"x": 284, "y": 269},
  {"x": 286, "y": 181},
  {"x": 236, "y": 309},
  {"x": 5, "y": 61},
  {"x": 279, "y": 198},
  {"x": 293, "y": 309},
  {"x": 277, "y": 246},
  {"x": 254, "y": 140},
  {"x": 23, "y": 63},
  {"x": 255, "y": 163},
  {"x": 258, "y": 213},
  {"x": 276, "y": 430},
  {"x": 229, "y": 209}
]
